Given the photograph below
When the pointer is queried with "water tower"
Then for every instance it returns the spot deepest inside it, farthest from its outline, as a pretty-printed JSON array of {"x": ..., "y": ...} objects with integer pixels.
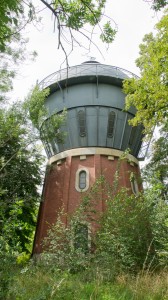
[{"x": 97, "y": 134}]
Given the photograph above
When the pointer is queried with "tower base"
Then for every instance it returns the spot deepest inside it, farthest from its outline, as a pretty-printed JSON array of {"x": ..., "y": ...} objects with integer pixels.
[{"x": 73, "y": 172}]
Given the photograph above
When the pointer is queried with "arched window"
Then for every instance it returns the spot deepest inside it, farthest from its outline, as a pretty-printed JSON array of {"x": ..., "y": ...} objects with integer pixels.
[
  {"x": 111, "y": 122},
  {"x": 82, "y": 179},
  {"x": 82, "y": 123},
  {"x": 134, "y": 186}
]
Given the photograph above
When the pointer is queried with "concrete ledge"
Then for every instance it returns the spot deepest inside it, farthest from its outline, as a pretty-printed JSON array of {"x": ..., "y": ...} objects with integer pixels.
[{"x": 91, "y": 151}]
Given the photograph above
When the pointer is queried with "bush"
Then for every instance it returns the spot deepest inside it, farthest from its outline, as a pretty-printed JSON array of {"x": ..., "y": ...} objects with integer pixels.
[
  {"x": 8, "y": 269},
  {"x": 116, "y": 262},
  {"x": 131, "y": 234},
  {"x": 125, "y": 234}
]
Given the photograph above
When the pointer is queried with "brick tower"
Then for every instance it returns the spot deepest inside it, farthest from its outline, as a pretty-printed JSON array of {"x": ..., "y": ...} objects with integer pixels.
[{"x": 97, "y": 133}]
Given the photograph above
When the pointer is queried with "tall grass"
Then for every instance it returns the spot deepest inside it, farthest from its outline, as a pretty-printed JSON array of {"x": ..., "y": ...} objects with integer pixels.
[{"x": 40, "y": 283}]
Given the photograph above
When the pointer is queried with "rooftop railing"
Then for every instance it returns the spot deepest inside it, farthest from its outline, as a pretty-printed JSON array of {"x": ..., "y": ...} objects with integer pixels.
[{"x": 86, "y": 69}]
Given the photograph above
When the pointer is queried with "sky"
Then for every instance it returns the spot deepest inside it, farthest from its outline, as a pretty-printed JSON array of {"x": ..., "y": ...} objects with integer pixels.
[{"x": 134, "y": 19}]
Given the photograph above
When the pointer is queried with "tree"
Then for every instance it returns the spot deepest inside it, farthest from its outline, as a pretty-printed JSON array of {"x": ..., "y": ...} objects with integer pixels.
[
  {"x": 20, "y": 156},
  {"x": 71, "y": 17},
  {"x": 158, "y": 4},
  {"x": 10, "y": 11},
  {"x": 149, "y": 93},
  {"x": 20, "y": 174},
  {"x": 155, "y": 173},
  {"x": 130, "y": 236},
  {"x": 47, "y": 128},
  {"x": 12, "y": 43}
]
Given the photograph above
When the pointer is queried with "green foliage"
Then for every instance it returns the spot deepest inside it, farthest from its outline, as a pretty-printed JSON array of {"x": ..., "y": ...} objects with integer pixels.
[
  {"x": 10, "y": 12},
  {"x": 132, "y": 240},
  {"x": 35, "y": 104},
  {"x": 9, "y": 58},
  {"x": 20, "y": 159},
  {"x": 131, "y": 236},
  {"x": 60, "y": 249},
  {"x": 12, "y": 42},
  {"x": 133, "y": 231},
  {"x": 75, "y": 14},
  {"x": 39, "y": 282},
  {"x": 125, "y": 236},
  {"x": 159, "y": 223},
  {"x": 48, "y": 125},
  {"x": 149, "y": 93},
  {"x": 20, "y": 175},
  {"x": 72, "y": 15},
  {"x": 8, "y": 269},
  {"x": 158, "y": 4},
  {"x": 14, "y": 16},
  {"x": 108, "y": 34},
  {"x": 155, "y": 172}
]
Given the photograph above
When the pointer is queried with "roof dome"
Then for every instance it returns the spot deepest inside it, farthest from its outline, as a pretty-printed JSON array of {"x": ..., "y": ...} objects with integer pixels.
[
  {"x": 88, "y": 71},
  {"x": 90, "y": 62}
]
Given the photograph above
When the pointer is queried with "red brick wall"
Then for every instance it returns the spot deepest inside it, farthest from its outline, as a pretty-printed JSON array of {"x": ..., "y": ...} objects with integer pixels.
[{"x": 59, "y": 188}]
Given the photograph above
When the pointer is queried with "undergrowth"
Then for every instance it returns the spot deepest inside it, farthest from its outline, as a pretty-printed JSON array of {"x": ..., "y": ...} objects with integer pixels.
[
  {"x": 126, "y": 259},
  {"x": 42, "y": 283}
]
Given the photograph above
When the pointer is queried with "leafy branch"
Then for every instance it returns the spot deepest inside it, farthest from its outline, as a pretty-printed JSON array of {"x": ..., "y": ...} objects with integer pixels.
[{"x": 74, "y": 15}]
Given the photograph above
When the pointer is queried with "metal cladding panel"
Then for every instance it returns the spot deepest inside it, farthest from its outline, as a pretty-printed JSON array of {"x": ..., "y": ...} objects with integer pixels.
[
  {"x": 118, "y": 130},
  {"x": 96, "y": 130},
  {"x": 73, "y": 131},
  {"x": 87, "y": 94},
  {"x": 82, "y": 140},
  {"x": 102, "y": 126},
  {"x": 91, "y": 123},
  {"x": 111, "y": 96},
  {"x": 95, "y": 102},
  {"x": 126, "y": 132}
]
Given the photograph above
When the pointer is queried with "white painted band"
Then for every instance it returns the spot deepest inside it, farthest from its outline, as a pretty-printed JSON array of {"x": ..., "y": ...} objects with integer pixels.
[{"x": 91, "y": 151}]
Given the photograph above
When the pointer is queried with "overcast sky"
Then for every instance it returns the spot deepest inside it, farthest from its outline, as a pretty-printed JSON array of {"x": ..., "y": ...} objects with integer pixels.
[{"x": 134, "y": 19}]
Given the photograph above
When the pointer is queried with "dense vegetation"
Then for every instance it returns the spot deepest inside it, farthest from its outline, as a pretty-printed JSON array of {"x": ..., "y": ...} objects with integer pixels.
[
  {"x": 126, "y": 259},
  {"x": 131, "y": 256},
  {"x": 149, "y": 93}
]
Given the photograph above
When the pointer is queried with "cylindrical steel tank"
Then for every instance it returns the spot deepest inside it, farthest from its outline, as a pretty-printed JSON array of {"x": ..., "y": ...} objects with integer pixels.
[{"x": 92, "y": 94}]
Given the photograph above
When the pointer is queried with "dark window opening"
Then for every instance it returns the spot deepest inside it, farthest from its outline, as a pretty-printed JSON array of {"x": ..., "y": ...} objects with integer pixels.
[
  {"x": 82, "y": 123},
  {"x": 111, "y": 122},
  {"x": 81, "y": 237},
  {"x": 82, "y": 180}
]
